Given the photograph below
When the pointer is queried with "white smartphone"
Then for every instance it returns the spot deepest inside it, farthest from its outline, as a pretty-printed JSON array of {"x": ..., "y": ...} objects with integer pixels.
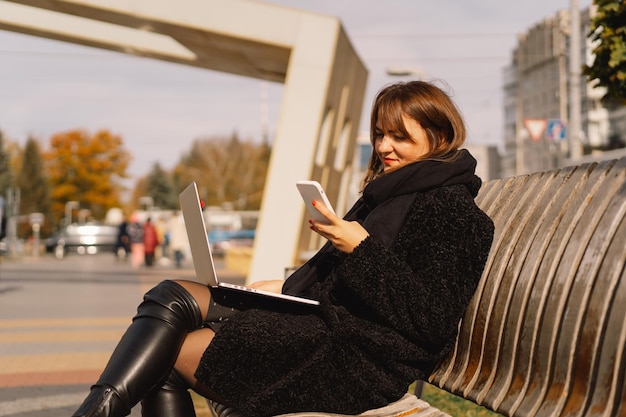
[{"x": 313, "y": 191}]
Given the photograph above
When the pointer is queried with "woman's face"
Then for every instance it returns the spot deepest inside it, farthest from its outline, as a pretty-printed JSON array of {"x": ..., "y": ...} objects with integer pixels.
[{"x": 395, "y": 150}]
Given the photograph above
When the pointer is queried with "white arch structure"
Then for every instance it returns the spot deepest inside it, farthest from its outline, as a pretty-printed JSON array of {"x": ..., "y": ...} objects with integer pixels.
[{"x": 310, "y": 53}]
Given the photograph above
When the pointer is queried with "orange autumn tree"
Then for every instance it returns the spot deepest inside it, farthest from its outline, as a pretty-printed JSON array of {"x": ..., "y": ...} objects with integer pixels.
[{"x": 88, "y": 169}]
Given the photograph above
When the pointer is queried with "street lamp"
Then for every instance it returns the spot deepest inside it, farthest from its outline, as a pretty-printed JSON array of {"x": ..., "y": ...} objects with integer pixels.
[
  {"x": 83, "y": 214},
  {"x": 68, "y": 211},
  {"x": 406, "y": 72},
  {"x": 146, "y": 201}
]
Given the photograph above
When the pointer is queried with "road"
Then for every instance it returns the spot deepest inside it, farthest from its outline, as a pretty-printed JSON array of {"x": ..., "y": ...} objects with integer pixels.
[{"x": 59, "y": 322}]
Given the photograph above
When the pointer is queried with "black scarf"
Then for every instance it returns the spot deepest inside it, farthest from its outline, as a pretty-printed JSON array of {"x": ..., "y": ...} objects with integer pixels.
[{"x": 384, "y": 206}]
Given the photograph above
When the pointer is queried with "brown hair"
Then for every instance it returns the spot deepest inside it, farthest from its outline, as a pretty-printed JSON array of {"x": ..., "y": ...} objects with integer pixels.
[{"x": 428, "y": 105}]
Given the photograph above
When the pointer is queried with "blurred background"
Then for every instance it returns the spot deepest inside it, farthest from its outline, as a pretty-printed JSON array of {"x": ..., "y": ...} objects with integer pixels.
[{"x": 93, "y": 137}]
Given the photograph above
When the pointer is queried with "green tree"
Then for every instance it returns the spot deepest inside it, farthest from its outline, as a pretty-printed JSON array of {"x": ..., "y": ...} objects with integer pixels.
[
  {"x": 33, "y": 186},
  {"x": 6, "y": 176},
  {"x": 88, "y": 169},
  {"x": 6, "y": 181},
  {"x": 159, "y": 187},
  {"x": 608, "y": 31},
  {"x": 227, "y": 170}
]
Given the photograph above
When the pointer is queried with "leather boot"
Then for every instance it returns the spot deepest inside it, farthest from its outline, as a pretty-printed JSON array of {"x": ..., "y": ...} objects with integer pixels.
[
  {"x": 146, "y": 353},
  {"x": 172, "y": 399}
]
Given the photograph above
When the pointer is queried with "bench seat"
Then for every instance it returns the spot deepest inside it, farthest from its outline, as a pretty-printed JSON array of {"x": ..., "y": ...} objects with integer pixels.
[
  {"x": 407, "y": 406},
  {"x": 545, "y": 333}
]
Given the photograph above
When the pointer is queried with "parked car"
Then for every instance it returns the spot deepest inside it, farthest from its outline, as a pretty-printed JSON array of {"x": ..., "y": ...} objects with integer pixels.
[{"x": 83, "y": 239}]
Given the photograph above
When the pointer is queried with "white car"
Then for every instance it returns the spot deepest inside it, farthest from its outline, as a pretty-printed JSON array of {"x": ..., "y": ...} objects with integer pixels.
[{"x": 83, "y": 239}]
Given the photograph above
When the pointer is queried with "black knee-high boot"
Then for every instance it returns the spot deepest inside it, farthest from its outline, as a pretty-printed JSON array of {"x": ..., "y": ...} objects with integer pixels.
[
  {"x": 146, "y": 353},
  {"x": 172, "y": 399}
]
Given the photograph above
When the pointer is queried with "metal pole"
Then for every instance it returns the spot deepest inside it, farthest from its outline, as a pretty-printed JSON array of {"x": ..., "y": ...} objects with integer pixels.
[
  {"x": 575, "y": 124},
  {"x": 265, "y": 112},
  {"x": 68, "y": 211},
  {"x": 13, "y": 209}
]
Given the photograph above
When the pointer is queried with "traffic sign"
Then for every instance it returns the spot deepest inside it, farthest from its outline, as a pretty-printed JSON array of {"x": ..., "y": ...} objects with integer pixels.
[
  {"x": 36, "y": 218},
  {"x": 556, "y": 130},
  {"x": 536, "y": 128}
]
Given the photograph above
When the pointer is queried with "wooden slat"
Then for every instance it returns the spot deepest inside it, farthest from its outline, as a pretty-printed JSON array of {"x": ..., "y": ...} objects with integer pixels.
[
  {"x": 545, "y": 333},
  {"x": 530, "y": 296}
]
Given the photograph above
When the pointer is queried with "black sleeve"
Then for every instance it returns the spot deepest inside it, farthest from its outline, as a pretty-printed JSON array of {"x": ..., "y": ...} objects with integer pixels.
[{"x": 422, "y": 286}]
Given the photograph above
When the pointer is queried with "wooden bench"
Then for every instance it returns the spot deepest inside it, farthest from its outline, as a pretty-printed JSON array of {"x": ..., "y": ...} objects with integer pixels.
[{"x": 545, "y": 334}]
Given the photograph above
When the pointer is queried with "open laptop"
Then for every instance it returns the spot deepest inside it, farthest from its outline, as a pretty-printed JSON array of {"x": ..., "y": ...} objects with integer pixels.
[{"x": 230, "y": 295}]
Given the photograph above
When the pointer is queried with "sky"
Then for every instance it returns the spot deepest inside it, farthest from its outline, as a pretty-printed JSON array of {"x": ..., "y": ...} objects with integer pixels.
[{"x": 160, "y": 108}]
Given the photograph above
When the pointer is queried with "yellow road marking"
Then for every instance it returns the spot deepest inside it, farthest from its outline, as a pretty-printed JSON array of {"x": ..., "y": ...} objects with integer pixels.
[
  {"x": 61, "y": 336},
  {"x": 66, "y": 322},
  {"x": 16, "y": 364}
]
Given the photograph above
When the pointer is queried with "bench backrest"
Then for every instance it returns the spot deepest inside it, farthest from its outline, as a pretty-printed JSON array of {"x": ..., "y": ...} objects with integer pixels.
[{"x": 545, "y": 334}]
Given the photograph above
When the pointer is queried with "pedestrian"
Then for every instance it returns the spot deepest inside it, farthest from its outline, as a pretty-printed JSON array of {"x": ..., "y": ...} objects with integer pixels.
[
  {"x": 178, "y": 238},
  {"x": 122, "y": 247},
  {"x": 135, "y": 235},
  {"x": 150, "y": 241},
  {"x": 163, "y": 236},
  {"x": 393, "y": 281}
]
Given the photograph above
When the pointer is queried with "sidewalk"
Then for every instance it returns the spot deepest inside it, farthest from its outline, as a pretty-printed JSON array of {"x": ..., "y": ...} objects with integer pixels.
[{"x": 59, "y": 322}]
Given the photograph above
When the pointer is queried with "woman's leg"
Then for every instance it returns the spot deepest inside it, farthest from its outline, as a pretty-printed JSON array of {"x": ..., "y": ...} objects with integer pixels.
[
  {"x": 191, "y": 352},
  {"x": 188, "y": 361},
  {"x": 196, "y": 342},
  {"x": 146, "y": 354},
  {"x": 172, "y": 399},
  {"x": 189, "y": 358}
]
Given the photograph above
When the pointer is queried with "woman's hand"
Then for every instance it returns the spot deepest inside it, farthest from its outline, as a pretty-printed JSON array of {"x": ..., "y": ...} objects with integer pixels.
[
  {"x": 344, "y": 235},
  {"x": 275, "y": 285}
]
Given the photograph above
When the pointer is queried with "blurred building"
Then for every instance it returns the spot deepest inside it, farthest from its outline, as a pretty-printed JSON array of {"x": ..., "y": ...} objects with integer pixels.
[{"x": 537, "y": 94}]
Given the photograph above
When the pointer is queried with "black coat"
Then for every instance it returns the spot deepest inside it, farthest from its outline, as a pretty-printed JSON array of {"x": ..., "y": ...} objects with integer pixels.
[{"x": 389, "y": 313}]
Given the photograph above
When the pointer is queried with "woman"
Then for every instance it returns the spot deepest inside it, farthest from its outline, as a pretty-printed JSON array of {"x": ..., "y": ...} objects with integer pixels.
[
  {"x": 393, "y": 281},
  {"x": 150, "y": 241}
]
